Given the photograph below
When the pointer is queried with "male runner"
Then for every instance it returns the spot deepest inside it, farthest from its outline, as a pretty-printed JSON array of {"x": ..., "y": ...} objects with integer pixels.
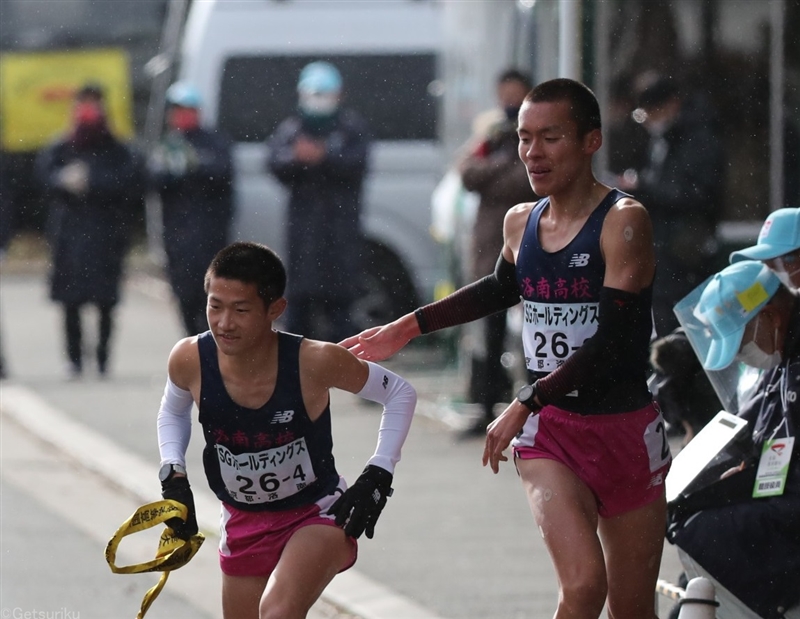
[
  {"x": 264, "y": 404},
  {"x": 591, "y": 449}
]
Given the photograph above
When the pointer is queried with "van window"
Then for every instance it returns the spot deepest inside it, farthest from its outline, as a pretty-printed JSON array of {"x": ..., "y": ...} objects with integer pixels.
[{"x": 390, "y": 91}]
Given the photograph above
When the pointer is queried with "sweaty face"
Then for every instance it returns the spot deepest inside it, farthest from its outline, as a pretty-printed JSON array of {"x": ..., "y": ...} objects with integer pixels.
[
  {"x": 550, "y": 148},
  {"x": 237, "y": 316}
]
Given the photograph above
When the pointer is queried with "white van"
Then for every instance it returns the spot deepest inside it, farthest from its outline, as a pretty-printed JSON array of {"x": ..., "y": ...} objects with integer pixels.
[{"x": 245, "y": 57}]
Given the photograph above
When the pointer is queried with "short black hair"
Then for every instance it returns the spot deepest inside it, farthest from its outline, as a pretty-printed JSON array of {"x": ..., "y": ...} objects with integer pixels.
[
  {"x": 251, "y": 263},
  {"x": 655, "y": 90},
  {"x": 90, "y": 90},
  {"x": 515, "y": 75},
  {"x": 583, "y": 104}
]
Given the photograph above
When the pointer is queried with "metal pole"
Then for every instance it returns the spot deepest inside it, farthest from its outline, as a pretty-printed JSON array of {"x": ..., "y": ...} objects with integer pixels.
[
  {"x": 602, "y": 78},
  {"x": 160, "y": 68},
  {"x": 776, "y": 80},
  {"x": 569, "y": 39}
]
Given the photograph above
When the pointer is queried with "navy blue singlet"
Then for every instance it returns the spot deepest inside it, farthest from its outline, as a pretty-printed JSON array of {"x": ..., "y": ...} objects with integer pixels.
[
  {"x": 270, "y": 458},
  {"x": 561, "y": 299}
]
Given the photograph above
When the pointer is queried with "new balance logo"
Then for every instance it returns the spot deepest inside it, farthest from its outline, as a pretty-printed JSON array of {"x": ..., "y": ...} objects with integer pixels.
[
  {"x": 282, "y": 417},
  {"x": 579, "y": 260}
]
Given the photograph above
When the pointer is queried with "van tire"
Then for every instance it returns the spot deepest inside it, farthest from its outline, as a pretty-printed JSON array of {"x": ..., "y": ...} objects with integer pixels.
[{"x": 386, "y": 292}]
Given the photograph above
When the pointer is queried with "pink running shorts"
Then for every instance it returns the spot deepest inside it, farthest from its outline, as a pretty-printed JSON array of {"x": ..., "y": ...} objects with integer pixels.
[
  {"x": 251, "y": 543},
  {"x": 623, "y": 458}
]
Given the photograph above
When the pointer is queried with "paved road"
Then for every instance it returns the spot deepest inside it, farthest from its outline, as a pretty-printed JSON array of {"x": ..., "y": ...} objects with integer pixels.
[{"x": 455, "y": 542}]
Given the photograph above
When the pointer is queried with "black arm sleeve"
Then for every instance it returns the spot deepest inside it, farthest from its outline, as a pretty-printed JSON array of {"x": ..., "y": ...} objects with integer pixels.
[
  {"x": 616, "y": 352},
  {"x": 487, "y": 296}
]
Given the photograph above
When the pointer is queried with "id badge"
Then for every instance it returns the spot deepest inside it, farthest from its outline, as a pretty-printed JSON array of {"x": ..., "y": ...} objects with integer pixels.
[{"x": 773, "y": 467}]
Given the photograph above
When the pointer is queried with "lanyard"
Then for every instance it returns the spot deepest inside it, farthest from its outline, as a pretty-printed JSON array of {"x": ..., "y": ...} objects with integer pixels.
[{"x": 173, "y": 552}]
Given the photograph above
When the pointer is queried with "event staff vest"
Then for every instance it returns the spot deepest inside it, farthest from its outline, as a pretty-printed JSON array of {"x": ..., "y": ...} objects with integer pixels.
[
  {"x": 270, "y": 458},
  {"x": 561, "y": 299}
]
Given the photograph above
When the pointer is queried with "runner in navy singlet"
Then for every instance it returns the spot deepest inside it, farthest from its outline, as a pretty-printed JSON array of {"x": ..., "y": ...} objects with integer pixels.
[
  {"x": 289, "y": 523},
  {"x": 589, "y": 443}
]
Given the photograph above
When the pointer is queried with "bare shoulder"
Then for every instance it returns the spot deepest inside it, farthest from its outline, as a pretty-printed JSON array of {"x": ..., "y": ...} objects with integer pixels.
[
  {"x": 184, "y": 362},
  {"x": 326, "y": 365},
  {"x": 629, "y": 217},
  {"x": 626, "y": 241},
  {"x": 519, "y": 212},
  {"x": 514, "y": 227}
]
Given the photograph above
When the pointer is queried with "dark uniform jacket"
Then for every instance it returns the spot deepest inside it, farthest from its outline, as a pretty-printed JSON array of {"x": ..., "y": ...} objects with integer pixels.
[
  {"x": 193, "y": 174},
  {"x": 324, "y": 206},
  {"x": 89, "y": 233}
]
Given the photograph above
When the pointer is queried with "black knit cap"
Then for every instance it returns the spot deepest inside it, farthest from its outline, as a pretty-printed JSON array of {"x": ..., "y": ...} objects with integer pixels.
[{"x": 91, "y": 90}]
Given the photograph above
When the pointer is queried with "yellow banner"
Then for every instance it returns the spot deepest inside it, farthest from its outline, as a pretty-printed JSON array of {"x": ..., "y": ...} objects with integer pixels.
[{"x": 36, "y": 91}]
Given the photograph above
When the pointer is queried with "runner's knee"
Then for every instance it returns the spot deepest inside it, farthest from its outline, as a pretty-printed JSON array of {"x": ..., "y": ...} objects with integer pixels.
[{"x": 582, "y": 597}]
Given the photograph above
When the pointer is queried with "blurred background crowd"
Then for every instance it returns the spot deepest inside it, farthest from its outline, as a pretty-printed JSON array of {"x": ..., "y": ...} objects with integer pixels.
[{"x": 702, "y": 123}]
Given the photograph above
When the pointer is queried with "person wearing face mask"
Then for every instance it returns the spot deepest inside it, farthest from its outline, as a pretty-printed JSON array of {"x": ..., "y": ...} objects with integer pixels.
[
  {"x": 191, "y": 169},
  {"x": 492, "y": 168},
  {"x": 746, "y": 533},
  {"x": 319, "y": 154},
  {"x": 681, "y": 182},
  {"x": 94, "y": 185},
  {"x": 778, "y": 246}
]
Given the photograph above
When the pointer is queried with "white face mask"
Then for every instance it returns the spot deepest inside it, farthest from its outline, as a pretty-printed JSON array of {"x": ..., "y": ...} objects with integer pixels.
[
  {"x": 657, "y": 128},
  {"x": 785, "y": 268},
  {"x": 786, "y": 279},
  {"x": 750, "y": 354},
  {"x": 319, "y": 104}
]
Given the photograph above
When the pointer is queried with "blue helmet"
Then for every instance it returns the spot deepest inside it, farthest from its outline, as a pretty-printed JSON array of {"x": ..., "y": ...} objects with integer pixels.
[
  {"x": 320, "y": 77},
  {"x": 184, "y": 95}
]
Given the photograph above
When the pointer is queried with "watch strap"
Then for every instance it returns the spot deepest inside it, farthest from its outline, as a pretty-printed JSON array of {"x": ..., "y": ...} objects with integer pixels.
[{"x": 530, "y": 402}]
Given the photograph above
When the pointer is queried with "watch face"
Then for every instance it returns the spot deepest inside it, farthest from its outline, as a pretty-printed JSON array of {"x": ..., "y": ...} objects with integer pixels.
[
  {"x": 164, "y": 472},
  {"x": 525, "y": 394}
]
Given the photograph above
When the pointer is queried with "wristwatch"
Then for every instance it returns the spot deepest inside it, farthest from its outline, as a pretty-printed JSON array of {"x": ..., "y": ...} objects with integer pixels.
[
  {"x": 166, "y": 472},
  {"x": 527, "y": 396}
]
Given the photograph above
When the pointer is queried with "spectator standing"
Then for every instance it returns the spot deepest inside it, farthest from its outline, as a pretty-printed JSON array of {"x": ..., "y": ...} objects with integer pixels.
[
  {"x": 192, "y": 171},
  {"x": 95, "y": 184},
  {"x": 320, "y": 155},
  {"x": 625, "y": 138},
  {"x": 681, "y": 183},
  {"x": 493, "y": 170}
]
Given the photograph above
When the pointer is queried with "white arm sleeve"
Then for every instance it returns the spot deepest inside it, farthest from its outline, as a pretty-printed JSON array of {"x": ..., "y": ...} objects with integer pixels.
[
  {"x": 399, "y": 400},
  {"x": 174, "y": 424}
]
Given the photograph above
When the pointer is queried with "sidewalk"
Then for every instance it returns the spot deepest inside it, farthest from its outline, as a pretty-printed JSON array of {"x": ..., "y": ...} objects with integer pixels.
[{"x": 454, "y": 542}]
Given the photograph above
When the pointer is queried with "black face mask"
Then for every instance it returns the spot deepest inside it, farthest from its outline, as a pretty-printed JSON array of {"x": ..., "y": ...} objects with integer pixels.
[
  {"x": 511, "y": 111},
  {"x": 318, "y": 125}
]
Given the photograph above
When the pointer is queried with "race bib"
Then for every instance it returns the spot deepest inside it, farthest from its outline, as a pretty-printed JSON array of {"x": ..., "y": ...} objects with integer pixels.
[
  {"x": 266, "y": 476},
  {"x": 553, "y": 331},
  {"x": 657, "y": 445}
]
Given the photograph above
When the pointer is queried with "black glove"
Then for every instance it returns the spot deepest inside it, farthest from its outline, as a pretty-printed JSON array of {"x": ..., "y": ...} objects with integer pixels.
[
  {"x": 177, "y": 488},
  {"x": 362, "y": 503}
]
